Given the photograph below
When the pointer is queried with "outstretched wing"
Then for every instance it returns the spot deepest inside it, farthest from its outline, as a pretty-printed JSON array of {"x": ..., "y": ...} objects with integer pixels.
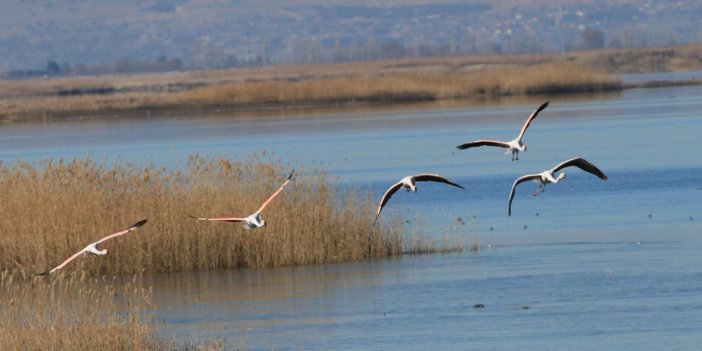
[
  {"x": 386, "y": 197},
  {"x": 64, "y": 263},
  {"x": 220, "y": 219},
  {"x": 434, "y": 178},
  {"x": 131, "y": 228},
  {"x": 582, "y": 164},
  {"x": 270, "y": 198},
  {"x": 519, "y": 180},
  {"x": 483, "y": 143},
  {"x": 531, "y": 118},
  {"x": 75, "y": 255}
]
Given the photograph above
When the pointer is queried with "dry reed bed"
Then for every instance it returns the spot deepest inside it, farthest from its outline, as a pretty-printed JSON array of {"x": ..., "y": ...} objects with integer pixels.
[
  {"x": 384, "y": 81},
  {"x": 679, "y": 58},
  {"x": 671, "y": 59},
  {"x": 549, "y": 78},
  {"x": 79, "y": 313},
  {"x": 52, "y": 210},
  {"x": 464, "y": 76}
]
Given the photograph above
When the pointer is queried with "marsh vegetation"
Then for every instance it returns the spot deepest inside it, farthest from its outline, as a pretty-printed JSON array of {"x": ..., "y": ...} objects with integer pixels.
[
  {"x": 287, "y": 86},
  {"x": 383, "y": 81},
  {"x": 53, "y": 209},
  {"x": 76, "y": 312}
]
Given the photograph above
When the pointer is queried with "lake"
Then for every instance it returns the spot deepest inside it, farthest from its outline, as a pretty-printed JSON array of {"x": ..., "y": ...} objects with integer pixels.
[
  {"x": 587, "y": 296},
  {"x": 588, "y": 264}
]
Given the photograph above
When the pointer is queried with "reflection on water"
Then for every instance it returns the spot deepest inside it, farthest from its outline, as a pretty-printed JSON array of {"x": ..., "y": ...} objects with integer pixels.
[{"x": 539, "y": 292}]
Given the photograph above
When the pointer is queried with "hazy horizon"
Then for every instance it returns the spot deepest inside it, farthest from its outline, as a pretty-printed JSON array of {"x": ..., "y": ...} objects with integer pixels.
[{"x": 183, "y": 34}]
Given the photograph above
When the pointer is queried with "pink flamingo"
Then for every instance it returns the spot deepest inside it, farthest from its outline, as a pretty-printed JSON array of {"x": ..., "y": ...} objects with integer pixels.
[
  {"x": 546, "y": 176},
  {"x": 409, "y": 183},
  {"x": 254, "y": 220},
  {"x": 513, "y": 146},
  {"x": 92, "y": 248}
]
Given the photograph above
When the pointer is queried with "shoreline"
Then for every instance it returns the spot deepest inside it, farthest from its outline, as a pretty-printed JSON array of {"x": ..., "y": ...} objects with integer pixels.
[
  {"x": 340, "y": 86},
  {"x": 341, "y": 104}
]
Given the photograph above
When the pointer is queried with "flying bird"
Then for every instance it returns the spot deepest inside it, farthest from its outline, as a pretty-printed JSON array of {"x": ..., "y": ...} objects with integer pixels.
[
  {"x": 513, "y": 146},
  {"x": 547, "y": 176},
  {"x": 254, "y": 220},
  {"x": 92, "y": 249},
  {"x": 409, "y": 183}
]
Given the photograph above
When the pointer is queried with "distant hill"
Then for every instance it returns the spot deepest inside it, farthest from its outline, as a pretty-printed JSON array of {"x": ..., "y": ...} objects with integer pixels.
[{"x": 166, "y": 34}]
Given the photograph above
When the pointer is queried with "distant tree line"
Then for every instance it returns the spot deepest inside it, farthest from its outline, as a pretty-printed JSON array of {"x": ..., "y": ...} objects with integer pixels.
[
  {"x": 54, "y": 69},
  {"x": 313, "y": 50},
  {"x": 205, "y": 53},
  {"x": 203, "y": 56}
]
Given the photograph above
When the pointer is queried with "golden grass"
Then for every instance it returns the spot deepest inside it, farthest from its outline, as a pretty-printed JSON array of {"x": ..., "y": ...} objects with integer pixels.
[
  {"x": 550, "y": 78},
  {"x": 672, "y": 59},
  {"x": 79, "y": 313},
  {"x": 383, "y": 81},
  {"x": 55, "y": 209},
  {"x": 387, "y": 81}
]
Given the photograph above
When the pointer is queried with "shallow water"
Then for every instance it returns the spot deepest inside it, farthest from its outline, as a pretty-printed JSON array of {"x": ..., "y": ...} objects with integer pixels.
[
  {"x": 596, "y": 263},
  {"x": 588, "y": 296}
]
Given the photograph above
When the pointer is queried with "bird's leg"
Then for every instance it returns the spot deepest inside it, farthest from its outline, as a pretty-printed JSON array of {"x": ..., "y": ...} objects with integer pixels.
[
  {"x": 512, "y": 155},
  {"x": 539, "y": 189}
]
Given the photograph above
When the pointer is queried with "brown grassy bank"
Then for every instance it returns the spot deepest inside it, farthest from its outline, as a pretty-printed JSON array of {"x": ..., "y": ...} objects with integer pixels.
[
  {"x": 551, "y": 78},
  {"x": 53, "y": 210},
  {"x": 668, "y": 59},
  {"x": 79, "y": 313},
  {"x": 324, "y": 85},
  {"x": 387, "y": 81}
]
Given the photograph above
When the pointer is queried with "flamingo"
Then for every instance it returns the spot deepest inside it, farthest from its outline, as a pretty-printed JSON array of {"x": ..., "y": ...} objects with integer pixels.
[
  {"x": 92, "y": 249},
  {"x": 409, "y": 183},
  {"x": 546, "y": 176},
  {"x": 254, "y": 220},
  {"x": 513, "y": 146}
]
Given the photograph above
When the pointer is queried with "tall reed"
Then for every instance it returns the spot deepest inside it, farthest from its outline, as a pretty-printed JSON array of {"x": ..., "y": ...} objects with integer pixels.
[
  {"x": 382, "y": 81},
  {"x": 439, "y": 83},
  {"x": 79, "y": 313},
  {"x": 56, "y": 208},
  {"x": 392, "y": 80}
]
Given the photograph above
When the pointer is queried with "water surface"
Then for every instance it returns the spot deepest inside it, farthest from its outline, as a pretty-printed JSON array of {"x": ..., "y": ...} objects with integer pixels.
[
  {"x": 585, "y": 265},
  {"x": 588, "y": 296}
]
